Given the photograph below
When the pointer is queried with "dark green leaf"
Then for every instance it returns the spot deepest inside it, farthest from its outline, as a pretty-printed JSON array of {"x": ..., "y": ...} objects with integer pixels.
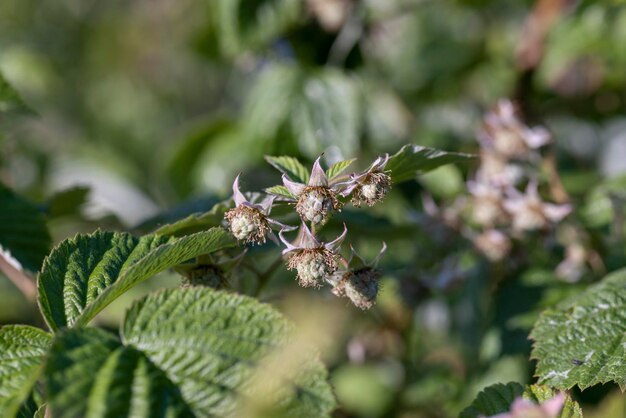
[
  {"x": 212, "y": 343},
  {"x": 90, "y": 373},
  {"x": 23, "y": 230},
  {"x": 493, "y": 400},
  {"x": 83, "y": 275},
  {"x": 66, "y": 202},
  {"x": 583, "y": 341},
  {"x": 290, "y": 166},
  {"x": 411, "y": 160},
  {"x": 10, "y": 100},
  {"x": 21, "y": 355},
  {"x": 245, "y": 24}
]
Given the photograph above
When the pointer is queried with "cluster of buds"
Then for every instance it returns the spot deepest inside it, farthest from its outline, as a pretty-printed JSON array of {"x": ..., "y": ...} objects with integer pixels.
[
  {"x": 317, "y": 262},
  {"x": 509, "y": 156}
]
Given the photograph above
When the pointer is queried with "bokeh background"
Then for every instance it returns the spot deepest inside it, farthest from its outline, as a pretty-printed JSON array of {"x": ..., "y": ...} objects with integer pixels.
[{"x": 146, "y": 111}]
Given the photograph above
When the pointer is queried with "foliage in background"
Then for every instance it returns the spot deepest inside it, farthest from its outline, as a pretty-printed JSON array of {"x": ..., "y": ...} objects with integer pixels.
[{"x": 137, "y": 118}]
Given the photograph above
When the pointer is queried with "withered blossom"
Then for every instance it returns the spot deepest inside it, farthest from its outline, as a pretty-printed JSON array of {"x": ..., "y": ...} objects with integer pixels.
[
  {"x": 359, "y": 280},
  {"x": 487, "y": 204},
  {"x": 314, "y": 260},
  {"x": 370, "y": 186},
  {"x": 530, "y": 212},
  {"x": 494, "y": 244},
  {"x": 316, "y": 199},
  {"x": 504, "y": 133},
  {"x": 250, "y": 222}
]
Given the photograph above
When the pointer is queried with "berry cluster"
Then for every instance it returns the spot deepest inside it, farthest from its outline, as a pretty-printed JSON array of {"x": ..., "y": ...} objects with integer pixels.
[{"x": 315, "y": 261}]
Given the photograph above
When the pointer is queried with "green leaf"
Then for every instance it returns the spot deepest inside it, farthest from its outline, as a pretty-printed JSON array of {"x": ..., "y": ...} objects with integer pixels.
[
  {"x": 91, "y": 374},
  {"x": 196, "y": 222},
  {"x": 195, "y": 351},
  {"x": 83, "y": 275},
  {"x": 22, "y": 349},
  {"x": 583, "y": 341},
  {"x": 327, "y": 112},
  {"x": 314, "y": 109},
  {"x": 23, "y": 230},
  {"x": 540, "y": 394},
  {"x": 281, "y": 191},
  {"x": 212, "y": 343},
  {"x": 250, "y": 24},
  {"x": 10, "y": 100},
  {"x": 66, "y": 202},
  {"x": 290, "y": 166},
  {"x": 41, "y": 412},
  {"x": 493, "y": 400},
  {"x": 411, "y": 160},
  {"x": 338, "y": 168}
]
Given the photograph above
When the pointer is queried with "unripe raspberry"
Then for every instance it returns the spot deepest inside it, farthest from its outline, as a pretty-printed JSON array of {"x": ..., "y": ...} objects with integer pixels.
[
  {"x": 248, "y": 224},
  {"x": 314, "y": 266},
  {"x": 372, "y": 189},
  {"x": 360, "y": 286},
  {"x": 315, "y": 203},
  {"x": 204, "y": 276}
]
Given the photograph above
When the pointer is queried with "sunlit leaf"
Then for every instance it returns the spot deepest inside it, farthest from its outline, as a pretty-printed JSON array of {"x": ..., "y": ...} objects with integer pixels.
[
  {"x": 338, "y": 168},
  {"x": 281, "y": 191},
  {"x": 290, "y": 166},
  {"x": 183, "y": 352},
  {"x": 583, "y": 341}
]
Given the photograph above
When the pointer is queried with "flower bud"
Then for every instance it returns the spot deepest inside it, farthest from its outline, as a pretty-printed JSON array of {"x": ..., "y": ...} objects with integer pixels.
[
  {"x": 494, "y": 244},
  {"x": 360, "y": 286},
  {"x": 204, "y": 276}
]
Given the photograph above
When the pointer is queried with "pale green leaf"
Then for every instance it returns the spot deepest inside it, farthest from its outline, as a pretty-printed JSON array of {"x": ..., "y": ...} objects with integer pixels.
[
  {"x": 22, "y": 349},
  {"x": 211, "y": 344},
  {"x": 280, "y": 191},
  {"x": 314, "y": 109},
  {"x": 84, "y": 274},
  {"x": 412, "y": 160},
  {"x": 23, "y": 230},
  {"x": 338, "y": 168},
  {"x": 41, "y": 412},
  {"x": 91, "y": 374},
  {"x": 290, "y": 166},
  {"x": 327, "y": 112},
  {"x": 541, "y": 393},
  {"x": 583, "y": 341},
  {"x": 493, "y": 400}
]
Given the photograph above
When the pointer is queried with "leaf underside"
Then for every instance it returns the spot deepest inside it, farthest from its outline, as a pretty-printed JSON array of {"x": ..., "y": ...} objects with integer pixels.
[
  {"x": 412, "y": 160},
  {"x": 583, "y": 341}
]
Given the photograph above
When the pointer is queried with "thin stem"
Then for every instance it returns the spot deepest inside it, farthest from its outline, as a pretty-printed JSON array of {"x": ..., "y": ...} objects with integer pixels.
[
  {"x": 19, "y": 277},
  {"x": 264, "y": 278}
]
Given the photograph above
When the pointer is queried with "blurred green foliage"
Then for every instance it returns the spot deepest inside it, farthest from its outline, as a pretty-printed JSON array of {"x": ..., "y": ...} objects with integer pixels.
[{"x": 147, "y": 110}]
